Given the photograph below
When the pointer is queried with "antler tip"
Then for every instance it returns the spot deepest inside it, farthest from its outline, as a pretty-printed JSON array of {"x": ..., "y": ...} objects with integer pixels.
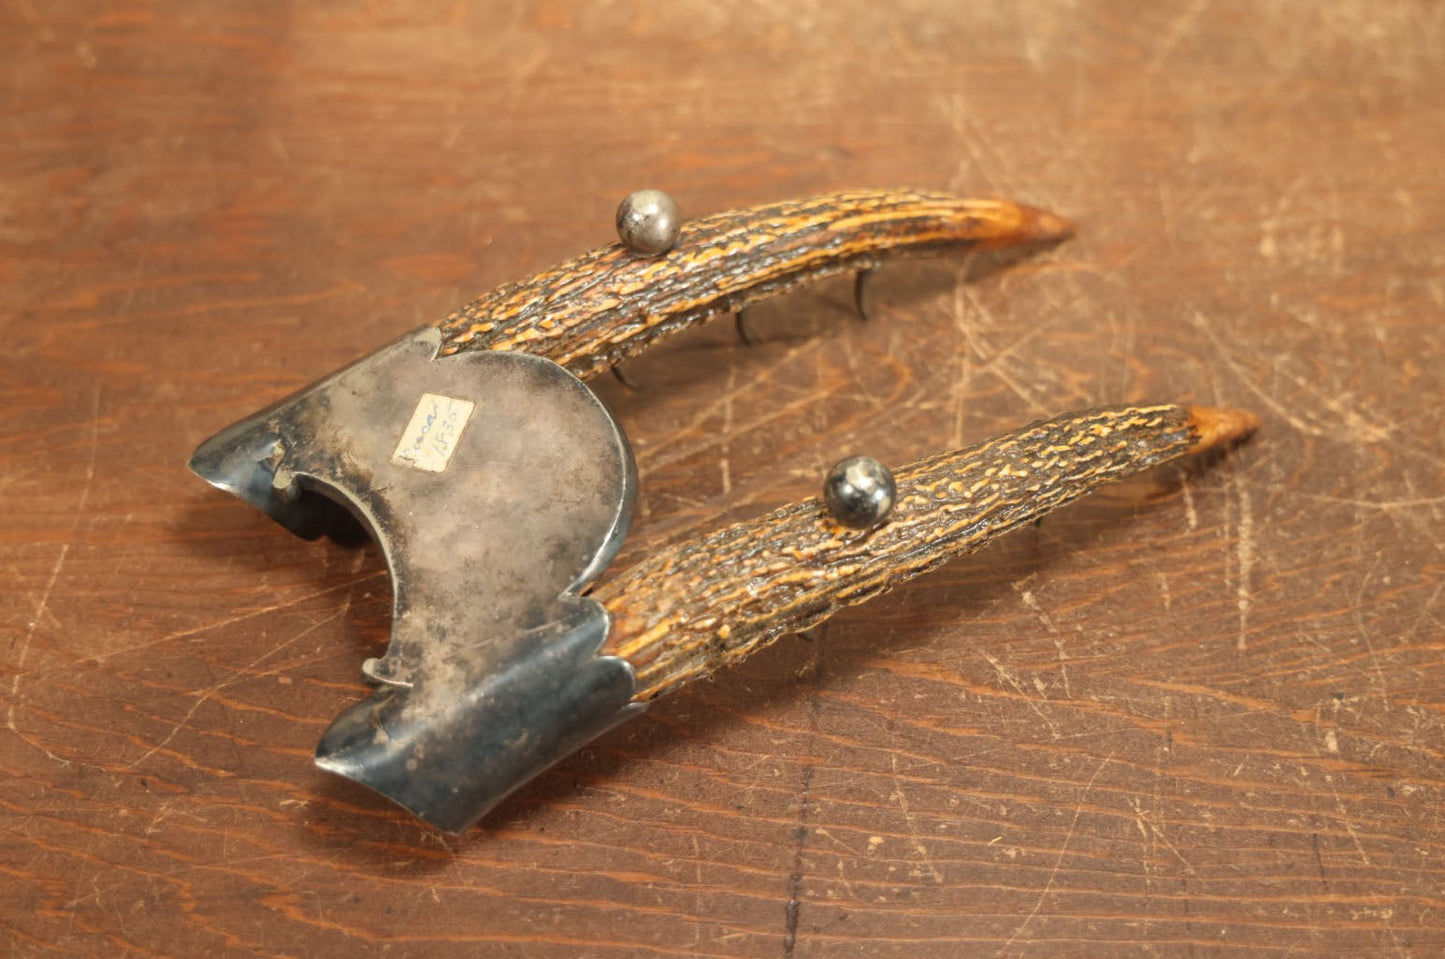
[
  {"x": 1220, "y": 426},
  {"x": 1041, "y": 226}
]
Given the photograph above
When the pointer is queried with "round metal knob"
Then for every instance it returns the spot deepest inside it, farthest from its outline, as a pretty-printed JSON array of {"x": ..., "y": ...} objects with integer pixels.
[
  {"x": 648, "y": 222},
  {"x": 859, "y": 492}
]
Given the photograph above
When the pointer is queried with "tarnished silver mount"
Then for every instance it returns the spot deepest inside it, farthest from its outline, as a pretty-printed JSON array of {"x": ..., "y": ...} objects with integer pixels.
[{"x": 497, "y": 486}]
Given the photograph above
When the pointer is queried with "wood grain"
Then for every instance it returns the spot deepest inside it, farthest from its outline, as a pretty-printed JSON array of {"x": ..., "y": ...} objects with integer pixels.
[{"x": 1194, "y": 715}]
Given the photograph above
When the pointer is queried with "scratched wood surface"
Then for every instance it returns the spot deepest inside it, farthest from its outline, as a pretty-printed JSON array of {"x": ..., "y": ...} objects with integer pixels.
[{"x": 1199, "y": 715}]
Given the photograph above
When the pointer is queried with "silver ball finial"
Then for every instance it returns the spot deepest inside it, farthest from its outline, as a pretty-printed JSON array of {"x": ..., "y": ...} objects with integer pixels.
[
  {"x": 648, "y": 223},
  {"x": 859, "y": 492}
]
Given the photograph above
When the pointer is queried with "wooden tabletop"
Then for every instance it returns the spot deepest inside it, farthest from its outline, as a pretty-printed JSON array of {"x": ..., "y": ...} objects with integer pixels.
[{"x": 1200, "y": 714}]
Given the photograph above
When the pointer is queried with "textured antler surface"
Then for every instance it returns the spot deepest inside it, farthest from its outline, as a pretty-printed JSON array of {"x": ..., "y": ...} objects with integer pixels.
[
  {"x": 704, "y": 604},
  {"x": 593, "y": 311}
]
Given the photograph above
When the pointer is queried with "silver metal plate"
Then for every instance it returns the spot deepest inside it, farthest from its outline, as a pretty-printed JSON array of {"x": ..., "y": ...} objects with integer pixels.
[{"x": 497, "y": 486}]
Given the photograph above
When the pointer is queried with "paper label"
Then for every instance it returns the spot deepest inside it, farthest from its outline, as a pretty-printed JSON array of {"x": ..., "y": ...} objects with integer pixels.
[{"x": 432, "y": 435}]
